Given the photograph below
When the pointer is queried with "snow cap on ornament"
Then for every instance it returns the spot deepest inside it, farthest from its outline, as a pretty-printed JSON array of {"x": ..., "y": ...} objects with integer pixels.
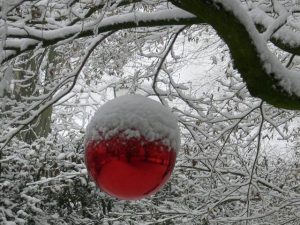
[{"x": 131, "y": 146}]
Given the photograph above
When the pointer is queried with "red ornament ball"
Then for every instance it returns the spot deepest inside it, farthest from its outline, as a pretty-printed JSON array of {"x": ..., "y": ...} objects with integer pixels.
[{"x": 131, "y": 147}]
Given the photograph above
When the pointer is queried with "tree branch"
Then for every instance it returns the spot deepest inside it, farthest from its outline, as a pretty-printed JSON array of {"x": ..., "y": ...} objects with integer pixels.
[
  {"x": 247, "y": 49},
  {"x": 46, "y": 104},
  {"x": 46, "y": 38}
]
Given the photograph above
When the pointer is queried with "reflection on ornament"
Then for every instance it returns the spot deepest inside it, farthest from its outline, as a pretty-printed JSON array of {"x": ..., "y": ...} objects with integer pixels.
[{"x": 131, "y": 147}]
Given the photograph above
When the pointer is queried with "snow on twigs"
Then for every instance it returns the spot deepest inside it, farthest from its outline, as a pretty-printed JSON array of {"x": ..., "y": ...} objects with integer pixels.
[
  {"x": 287, "y": 79},
  {"x": 135, "y": 116}
]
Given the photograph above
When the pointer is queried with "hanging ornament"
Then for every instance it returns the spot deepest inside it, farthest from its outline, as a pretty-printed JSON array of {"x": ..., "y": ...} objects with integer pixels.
[{"x": 131, "y": 146}]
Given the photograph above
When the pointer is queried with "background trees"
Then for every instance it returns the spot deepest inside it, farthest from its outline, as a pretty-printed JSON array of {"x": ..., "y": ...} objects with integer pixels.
[{"x": 60, "y": 60}]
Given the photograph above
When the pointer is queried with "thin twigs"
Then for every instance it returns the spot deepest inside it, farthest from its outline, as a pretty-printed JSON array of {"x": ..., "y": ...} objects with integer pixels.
[{"x": 75, "y": 74}]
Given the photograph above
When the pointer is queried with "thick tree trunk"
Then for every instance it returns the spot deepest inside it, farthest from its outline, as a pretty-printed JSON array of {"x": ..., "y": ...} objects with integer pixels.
[{"x": 27, "y": 87}]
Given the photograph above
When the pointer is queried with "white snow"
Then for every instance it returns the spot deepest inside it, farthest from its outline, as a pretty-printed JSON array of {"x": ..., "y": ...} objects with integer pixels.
[
  {"x": 5, "y": 81},
  {"x": 61, "y": 156},
  {"x": 288, "y": 80},
  {"x": 136, "y": 17},
  {"x": 135, "y": 116},
  {"x": 284, "y": 34}
]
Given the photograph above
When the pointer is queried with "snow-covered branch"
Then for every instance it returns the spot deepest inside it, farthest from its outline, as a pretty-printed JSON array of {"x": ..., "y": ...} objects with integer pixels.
[{"x": 263, "y": 73}]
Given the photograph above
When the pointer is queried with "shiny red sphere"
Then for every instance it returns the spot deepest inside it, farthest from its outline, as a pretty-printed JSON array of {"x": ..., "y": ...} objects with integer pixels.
[{"x": 129, "y": 168}]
